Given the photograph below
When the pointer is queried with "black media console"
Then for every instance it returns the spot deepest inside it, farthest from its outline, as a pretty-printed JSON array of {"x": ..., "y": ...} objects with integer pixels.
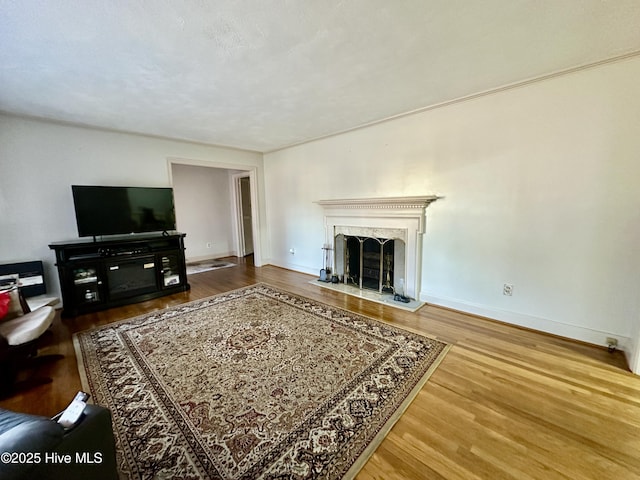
[{"x": 95, "y": 275}]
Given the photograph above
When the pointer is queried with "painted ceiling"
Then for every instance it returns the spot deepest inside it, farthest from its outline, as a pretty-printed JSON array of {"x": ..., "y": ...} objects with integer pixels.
[{"x": 265, "y": 74}]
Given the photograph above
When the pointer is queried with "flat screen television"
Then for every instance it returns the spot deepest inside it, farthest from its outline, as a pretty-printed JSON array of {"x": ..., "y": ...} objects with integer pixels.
[{"x": 122, "y": 210}]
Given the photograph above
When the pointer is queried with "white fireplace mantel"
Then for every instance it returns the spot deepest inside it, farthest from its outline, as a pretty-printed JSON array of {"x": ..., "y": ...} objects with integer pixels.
[{"x": 388, "y": 217}]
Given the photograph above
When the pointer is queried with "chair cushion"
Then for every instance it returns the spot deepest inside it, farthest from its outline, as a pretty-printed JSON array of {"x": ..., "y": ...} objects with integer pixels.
[{"x": 27, "y": 327}]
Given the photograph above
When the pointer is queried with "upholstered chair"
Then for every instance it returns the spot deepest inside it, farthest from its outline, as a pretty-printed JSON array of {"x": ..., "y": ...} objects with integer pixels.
[{"x": 20, "y": 329}]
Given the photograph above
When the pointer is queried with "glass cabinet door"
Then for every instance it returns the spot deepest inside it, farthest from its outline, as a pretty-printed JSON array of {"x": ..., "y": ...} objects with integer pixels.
[
  {"x": 170, "y": 271},
  {"x": 87, "y": 284}
]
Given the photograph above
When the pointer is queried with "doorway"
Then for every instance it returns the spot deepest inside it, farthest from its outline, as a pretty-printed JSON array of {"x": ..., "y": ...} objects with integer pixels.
[{"x": 236, "y": 230}]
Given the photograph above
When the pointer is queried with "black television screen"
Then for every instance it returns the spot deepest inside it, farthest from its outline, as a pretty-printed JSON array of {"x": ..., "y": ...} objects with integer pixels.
[{"x": 120, "y": 210}]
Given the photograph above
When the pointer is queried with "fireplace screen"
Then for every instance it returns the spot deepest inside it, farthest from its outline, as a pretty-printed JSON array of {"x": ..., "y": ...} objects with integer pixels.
[{"x": 369, "y": 262}]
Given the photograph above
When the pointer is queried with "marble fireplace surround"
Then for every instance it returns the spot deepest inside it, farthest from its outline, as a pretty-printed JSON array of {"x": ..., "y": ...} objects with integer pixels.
[{"x": 398, "y": 218}]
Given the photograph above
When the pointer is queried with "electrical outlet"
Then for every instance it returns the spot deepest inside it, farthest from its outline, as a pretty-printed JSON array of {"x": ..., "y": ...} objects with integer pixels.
[
  {"x": 208, "y": 244},
  {"x": 507, "y": 289},
  {"x": 292, "y": 251},
  {"x": 612, "y": 342}
]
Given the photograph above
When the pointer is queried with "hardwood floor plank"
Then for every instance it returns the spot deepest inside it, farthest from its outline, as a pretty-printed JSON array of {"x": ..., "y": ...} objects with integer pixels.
[
  {"x": 506, "y": 402},
  {"x": 561, "y": 451},
  {"x": 389, "y": 463},
  {"x": 431, "y": 449}
]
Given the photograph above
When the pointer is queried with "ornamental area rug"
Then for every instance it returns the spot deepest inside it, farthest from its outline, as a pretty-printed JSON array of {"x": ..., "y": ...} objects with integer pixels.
[{"x": 256, "y": 383}]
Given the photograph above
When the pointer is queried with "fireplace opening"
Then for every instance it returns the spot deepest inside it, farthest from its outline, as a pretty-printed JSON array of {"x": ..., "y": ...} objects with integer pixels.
[
  {"x": 369, "y": 262},
  {"x": 128, "y": 278}
]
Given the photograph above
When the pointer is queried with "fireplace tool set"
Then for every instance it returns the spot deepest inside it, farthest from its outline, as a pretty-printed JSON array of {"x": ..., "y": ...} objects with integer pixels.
[{"x": 325, "y": 272}]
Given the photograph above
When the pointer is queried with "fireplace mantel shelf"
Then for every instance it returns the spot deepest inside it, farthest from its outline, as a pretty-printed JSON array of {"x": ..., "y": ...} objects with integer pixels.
[{"x": 383, "y": 202}]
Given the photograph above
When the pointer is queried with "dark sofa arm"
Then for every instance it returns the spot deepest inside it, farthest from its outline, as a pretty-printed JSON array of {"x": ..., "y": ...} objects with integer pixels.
[
  {"x": 93, "y": 445},
  {"x": 44, "y": 450},
  {"x": 22, "y": 443}
]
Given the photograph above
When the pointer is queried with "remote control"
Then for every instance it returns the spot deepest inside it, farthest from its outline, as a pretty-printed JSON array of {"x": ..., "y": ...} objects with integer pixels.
[{"x": 73, "y": 412}]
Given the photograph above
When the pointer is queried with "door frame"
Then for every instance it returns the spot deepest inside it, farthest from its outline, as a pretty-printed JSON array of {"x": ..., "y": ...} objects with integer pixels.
[{"x": 242, "y": 170}]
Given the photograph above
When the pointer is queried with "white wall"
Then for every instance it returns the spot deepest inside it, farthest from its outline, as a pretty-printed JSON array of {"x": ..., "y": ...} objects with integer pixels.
[
  {"x": 39, "y": 161},
  {"x": 204, "y": 209},
  {"x": 540, "y": 186}
]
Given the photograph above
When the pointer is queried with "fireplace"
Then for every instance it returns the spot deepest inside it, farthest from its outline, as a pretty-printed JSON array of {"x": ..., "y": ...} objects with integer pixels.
[
  {"x": 377, "y": 242},
  {"x": 131, "y": 277}
]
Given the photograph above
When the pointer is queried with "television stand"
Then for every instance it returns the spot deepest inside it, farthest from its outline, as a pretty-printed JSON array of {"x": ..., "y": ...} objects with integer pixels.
[{"x": 100, "y": 274}]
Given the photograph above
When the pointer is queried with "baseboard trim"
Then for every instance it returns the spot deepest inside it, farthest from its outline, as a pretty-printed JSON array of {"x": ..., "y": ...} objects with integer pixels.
[
  {"x": 294, "y": 267},
  {"x": 545, "y": 325}
]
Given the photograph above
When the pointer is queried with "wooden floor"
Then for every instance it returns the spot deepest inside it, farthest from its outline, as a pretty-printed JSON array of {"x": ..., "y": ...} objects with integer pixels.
[{"x": 504, "y": 403}]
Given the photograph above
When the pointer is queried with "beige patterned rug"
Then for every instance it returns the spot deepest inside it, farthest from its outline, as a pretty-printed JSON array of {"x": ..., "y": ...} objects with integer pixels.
[{"x": 256, "y": 383}]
